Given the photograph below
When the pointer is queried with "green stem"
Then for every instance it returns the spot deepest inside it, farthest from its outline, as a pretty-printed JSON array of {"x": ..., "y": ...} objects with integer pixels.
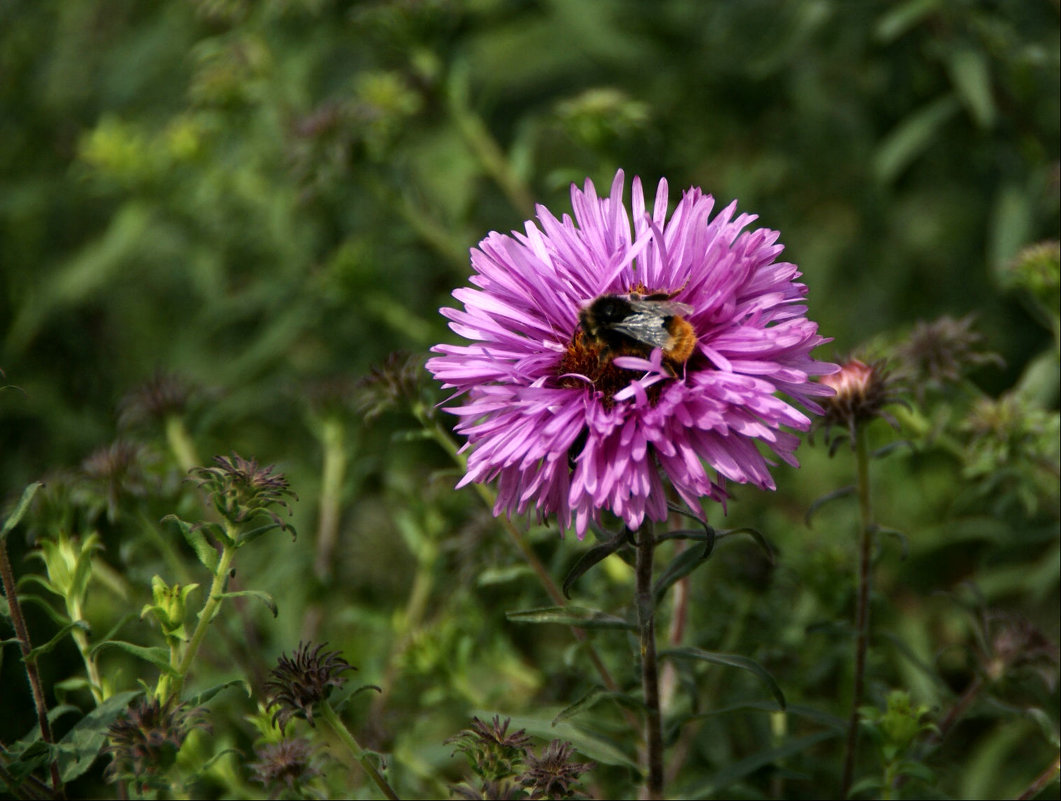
[
  {"x": 333, "y": 472},
  {"x": 862, "y": 615},
  {"x": 213, "y": 602},
  {"x": 7, "y": 577},
  {"x": 488, "y": 151},
  {"x": 352, "y": 745},
  {"x": 180, "y": 443},
  {"x": 646, "y": 617},
  {"x": 73, "y": 608}
]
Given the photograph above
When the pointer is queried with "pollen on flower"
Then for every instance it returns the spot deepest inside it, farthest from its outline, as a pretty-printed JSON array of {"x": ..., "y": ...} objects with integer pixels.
[{"x": 586, "y": 363}]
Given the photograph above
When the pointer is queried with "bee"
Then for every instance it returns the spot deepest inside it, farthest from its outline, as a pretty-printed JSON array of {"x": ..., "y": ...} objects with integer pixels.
[{"x": 636, "y": 323}]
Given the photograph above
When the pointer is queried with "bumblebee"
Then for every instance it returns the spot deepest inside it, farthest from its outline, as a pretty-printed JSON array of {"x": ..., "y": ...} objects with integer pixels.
[{"x": 634, "y": 324}]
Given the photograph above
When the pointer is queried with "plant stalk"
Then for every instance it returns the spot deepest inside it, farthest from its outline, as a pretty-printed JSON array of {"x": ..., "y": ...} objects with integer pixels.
[
  {"x": 646, "y": 625},
  {"x": 213, "y": 601},
  {"x": 862, "y": 614},
  {"x": 7, "y": 576},
  {"x": 358, "y": 752}
]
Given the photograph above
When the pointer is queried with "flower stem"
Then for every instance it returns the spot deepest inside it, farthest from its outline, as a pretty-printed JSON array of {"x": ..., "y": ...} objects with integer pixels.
[
  {"x": 862, "y": 615},
  {"x": 333, "y": 471},
  {"x": 646, "y": 624},
  {"x": 1042, "y": 781},
  {"x": 213, "y": 601},
  {"x": 492, "y": 158},
  {"x": 358, "y": 752},
  {"x": 7, "y": 576},
  {"x": 95, "y": 682},
  {"x": 180, "y": 443}
]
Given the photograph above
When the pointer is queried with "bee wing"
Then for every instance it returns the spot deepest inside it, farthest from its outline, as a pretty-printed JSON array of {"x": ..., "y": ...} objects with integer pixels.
[
  {"x": 648, "y": 328},
  {"x": 666, "y": 308}
]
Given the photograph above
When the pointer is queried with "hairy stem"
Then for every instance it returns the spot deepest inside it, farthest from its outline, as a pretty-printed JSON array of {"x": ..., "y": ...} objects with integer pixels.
[
  {"x": 646, "y": 624},
  {"x": 358, "y": 752},
  {"x": 7, "y": 575},
  {"x": 862, "y": 615}
]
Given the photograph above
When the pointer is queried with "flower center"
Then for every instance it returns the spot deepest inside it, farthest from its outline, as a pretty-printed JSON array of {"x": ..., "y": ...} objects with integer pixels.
[{"x": 586, "y": 358}]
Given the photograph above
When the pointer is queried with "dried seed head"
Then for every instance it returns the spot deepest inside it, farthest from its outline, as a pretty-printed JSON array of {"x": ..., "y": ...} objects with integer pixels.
[
  {"x": 1013, "y": 643},
  {"x": 500, "y": 790},
  {"x": 162, "y": 396},
  {"x": 145, "y": 739},
  {"x": 493, "y": 752},
  {"x": 298, "y": 683},
  {"x": 399, "y": 382},
  {"x": 284, "y": 766},
  {"x": 555, "y": 774},
  {"x": 118, "y": 469},
  {"x": 941, "y": 352},
  {"x": 241, "y": 488}
]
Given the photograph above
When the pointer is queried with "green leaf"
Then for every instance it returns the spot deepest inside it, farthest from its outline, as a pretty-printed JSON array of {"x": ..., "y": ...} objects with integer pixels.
[
  {"x": 591, "y": 557},
  {"x": 20, "y": 509},
  {"x": 870, "y": 784},
  {"x": 264, "y": 597},
  {"x": 910, "y": 138},
  {"x": 340, "y": 697},
  {"x": 54, "y": 641},
  {"x": 681, "y": 566},
  {"x": 730, "y": 660},
  {"x": 594, "y": 746},
  {"x": 972, "y": 80},
  {"x": 195, "y": 537},
  {"x": 571, "y": 616},
  {"x": 917, "y": 770},
  {"x": 1012, "y": 225},
  {"x": 58, "y": 617},
  {"x": 493, "y": 576},
  {"x": 255, "y": 533},
  {"x": 902, "y": 17},
  {"x": 829, "y": 497},
  {"x": 755, "y": 534},
  {"x": 157, "y": 655},
  {"x": 207, "y": 694},
  {"x": 904, "y": 543},
  {"x": 40, "y": 581},
  {"x": 676, "y": 722},
  {"x": 591, "y": 699},
  {"x": 82, "y": 744},
  {"x": 83, "y": 569},
  {"x": 750, "y": 764}
]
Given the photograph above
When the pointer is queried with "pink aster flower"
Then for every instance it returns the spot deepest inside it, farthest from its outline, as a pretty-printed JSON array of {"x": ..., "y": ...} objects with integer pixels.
[{"x": 569, "y": 423}]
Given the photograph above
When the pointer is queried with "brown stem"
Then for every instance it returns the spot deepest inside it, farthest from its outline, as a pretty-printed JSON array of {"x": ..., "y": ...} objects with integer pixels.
[
  {"x": 649, "y": 666},
  {"x": 956, "y": 711},
  {"x": 22, "y": 633},
  {"x": 1041, "y": 781},
  {"x": 862, "y": 615}
]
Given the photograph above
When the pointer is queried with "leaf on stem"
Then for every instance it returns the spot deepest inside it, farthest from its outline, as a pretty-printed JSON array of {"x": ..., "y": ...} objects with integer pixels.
[
  {"x": 20, "y": 509},
  {"x": 730, "y": 660},
  {"x": 571, "y": 616}
]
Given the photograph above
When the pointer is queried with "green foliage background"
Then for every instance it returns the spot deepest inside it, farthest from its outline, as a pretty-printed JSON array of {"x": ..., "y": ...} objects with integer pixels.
[{"x": 268, "y": 197}]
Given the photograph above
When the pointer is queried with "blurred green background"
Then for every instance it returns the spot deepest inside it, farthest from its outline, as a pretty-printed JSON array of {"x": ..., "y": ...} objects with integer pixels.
[{"x": 267, "y": 198}]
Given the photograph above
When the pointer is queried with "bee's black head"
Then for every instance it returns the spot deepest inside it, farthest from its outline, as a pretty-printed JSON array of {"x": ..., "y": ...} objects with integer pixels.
[{"x": 610, "y": 309}]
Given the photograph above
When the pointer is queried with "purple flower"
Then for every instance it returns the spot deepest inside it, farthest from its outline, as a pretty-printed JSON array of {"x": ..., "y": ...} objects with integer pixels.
[{"x": 571, "y": 424}]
